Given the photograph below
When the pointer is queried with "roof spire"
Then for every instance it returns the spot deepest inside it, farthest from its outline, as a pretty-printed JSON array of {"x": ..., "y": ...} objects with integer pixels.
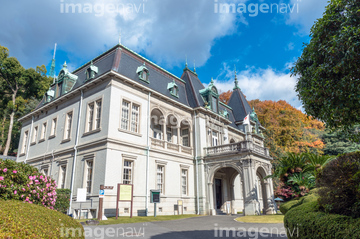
[
  {"x": 194, "y": 67},
  {"x": 186, "y": 65},
  {"x": 52, "y": 68},
  {"x": 236, "y": 81},
  {"x": 212, "y": 80}
]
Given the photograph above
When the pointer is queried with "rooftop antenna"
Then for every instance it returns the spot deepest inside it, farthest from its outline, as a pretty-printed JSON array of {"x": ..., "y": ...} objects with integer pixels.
[{"x": 52, "y": 68}]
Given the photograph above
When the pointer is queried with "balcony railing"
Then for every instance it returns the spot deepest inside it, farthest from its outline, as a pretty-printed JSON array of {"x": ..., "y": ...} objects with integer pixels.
[
  {"x": 243, "y": 146},
  {"x": 158, "y": 143}
]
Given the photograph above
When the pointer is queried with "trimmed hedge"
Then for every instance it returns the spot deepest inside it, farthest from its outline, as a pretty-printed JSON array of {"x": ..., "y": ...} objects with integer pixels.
[
  {"x": 63, "y": 200},
  {"x": 24, "y": 220},
  {"x": 304, "y": 219}
]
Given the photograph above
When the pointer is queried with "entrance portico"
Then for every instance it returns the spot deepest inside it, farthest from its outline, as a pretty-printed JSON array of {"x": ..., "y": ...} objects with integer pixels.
[{"x": 236, "y": 178}]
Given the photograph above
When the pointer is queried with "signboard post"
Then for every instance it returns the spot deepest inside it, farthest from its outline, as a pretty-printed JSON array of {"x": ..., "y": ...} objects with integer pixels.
[
  {"x": 154, "y": 198},
  {"x": 124, "y": 194},
  {"x": 101, "y": 199},
  {"x": 81, "y": 197}
]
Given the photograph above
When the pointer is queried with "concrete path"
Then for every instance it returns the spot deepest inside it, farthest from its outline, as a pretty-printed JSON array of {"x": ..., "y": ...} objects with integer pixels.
[{"x": 194, "y": 228}]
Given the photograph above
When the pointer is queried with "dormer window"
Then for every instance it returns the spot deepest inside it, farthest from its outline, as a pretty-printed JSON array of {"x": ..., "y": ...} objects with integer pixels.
[
  {"x": 211, "y": 96},
  {"x": 174, "y": 89},
  {"x": 49, "y": 95},
  {"x": 91, "y": 72},
  {"x": 143, "y": 73}
]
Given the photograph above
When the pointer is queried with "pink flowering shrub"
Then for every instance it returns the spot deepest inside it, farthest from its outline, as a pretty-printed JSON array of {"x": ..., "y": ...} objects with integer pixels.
[{"x": 19, "y": 181}]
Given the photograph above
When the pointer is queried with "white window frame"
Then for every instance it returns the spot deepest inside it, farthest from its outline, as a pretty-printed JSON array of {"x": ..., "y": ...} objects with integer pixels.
[
  {"x": 67, "y": 129},
  {"x": 86, "y": 176},
  {"x": 24, "y": 143},
  {"x": 35, "y": 135},
  {"x": 131, "y": 123},
  {"x": 43, "y": 130},
  {"x": 186, "y": 181},
  {"x": 162, "y": 188},
  {"x": 185, "y": 136},
  {"x": 214, "y": 138},
  {"x": 62, "y": 176},
  {"x": 131, "y": 168},
  {"x": 53, "y": 127},
  {"x": 93, "y": 118}
]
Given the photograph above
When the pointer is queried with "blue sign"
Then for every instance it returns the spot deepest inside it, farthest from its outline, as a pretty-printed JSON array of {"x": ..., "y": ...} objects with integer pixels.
[{"x": 102, "y": 192}]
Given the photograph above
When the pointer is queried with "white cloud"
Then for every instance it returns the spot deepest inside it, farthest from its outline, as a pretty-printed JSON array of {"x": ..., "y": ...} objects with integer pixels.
[
  {"x": 263, "y": 84},
  {"x": 165, "y": 30},
  {"x": 290, "y": 46},
  {"x": 308, "y": 11}
]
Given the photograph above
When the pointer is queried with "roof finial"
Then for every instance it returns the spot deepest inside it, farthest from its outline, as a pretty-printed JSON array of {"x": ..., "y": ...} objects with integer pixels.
[
  {"x": 212, "y": 80},
  {"x": 186, "y": 65},
  {"x": 236, "y": 81},
  {"x": 65, "y": 66},
  {"x": 194, "y": 67}
]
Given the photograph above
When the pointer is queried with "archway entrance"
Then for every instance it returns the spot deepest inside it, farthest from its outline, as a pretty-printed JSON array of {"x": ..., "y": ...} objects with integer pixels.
[{"x": 227, "y": 191}]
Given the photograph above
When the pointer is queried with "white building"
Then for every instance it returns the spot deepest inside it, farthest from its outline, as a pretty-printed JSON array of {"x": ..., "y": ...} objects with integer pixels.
[{"x": 122, "y": 119}]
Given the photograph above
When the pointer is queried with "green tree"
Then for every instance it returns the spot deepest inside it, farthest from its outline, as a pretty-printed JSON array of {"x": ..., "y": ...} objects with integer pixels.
[
  {"x": 338, "y": 143},
  {"x": 18, "y": 85},
  {"x": 328, "y": 70}
]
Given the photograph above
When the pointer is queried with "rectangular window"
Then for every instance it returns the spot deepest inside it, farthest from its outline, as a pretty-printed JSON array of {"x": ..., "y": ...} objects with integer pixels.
[
  {"x": 125, "y": 115},
  {"x": 214, "y": 138},
  {"x": 127, "y": 176},
  {"x": 98, "y": 114},
  {"x": 24, "y": 144},
  {"x": 68, "y": 125},
  {"x": 53, "y": 127},
  {"x": 35, "y": 134},
  {"x": 135, "y": 118},
  {"x": 130, "y": 114},
  {"x": 185, "y": 137},
  {"x": 157, "y": 131},
  {"x": 45, "y": 171},
  {"x": 43, "y": 133},
  {"x": 160, "y": 178},
  {"x": 214, "y": 104},
  {"x": 91, "y": 116},
  {"x": 89, "y": 172},
  {"x": 169, "y": 134},
  {"x": 63, "y": 176},
  {"x": 184, "y": 183}
]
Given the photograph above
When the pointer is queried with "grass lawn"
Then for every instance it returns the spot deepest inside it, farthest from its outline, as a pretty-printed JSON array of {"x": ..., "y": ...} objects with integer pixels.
[
  {"x": 121, "y": 220},
  {"x": 262, "y": 219}
]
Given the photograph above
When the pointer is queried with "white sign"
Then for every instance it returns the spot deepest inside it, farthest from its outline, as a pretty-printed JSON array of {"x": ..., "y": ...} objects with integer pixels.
[{"x": 81, "y": 195}]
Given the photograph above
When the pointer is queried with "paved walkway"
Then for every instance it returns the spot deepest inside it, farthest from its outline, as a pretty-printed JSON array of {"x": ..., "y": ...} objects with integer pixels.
[{"x": 194, "y": 228}]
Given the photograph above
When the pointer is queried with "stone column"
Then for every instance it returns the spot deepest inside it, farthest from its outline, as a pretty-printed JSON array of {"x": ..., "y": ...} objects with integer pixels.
[
  {"x": 211, "y": 199},
  {"x": 269, "y": 197},
  {"x": 249, "y": 188}
]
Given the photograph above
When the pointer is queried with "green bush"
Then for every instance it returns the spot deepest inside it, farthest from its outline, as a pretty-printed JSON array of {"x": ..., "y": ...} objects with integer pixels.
[
  {"x": 24, "y": 220},
  {"x": 303, "y": 219},
  {"x": 23, "y": 182},
  {"x": 340, "y": 185},
  {"x": 63, "y": 200}
]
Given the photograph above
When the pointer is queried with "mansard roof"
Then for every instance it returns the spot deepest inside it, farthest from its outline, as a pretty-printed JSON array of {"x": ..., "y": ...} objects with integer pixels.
[
  {"x": 124, "y": 61},
  {"x": 239, "y": 104}
]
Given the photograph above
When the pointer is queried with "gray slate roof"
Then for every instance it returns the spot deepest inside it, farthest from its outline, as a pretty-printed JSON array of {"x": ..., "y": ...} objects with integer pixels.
[{"x": 124, "y": 61}]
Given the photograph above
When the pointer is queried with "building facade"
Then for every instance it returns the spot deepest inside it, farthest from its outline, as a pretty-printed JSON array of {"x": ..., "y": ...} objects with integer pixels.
[{"x": 122, "y": 119}]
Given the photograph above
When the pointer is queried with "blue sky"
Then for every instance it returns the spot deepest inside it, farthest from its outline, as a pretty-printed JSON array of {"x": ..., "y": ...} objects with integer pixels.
[{"x": 261, "y": 44}]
